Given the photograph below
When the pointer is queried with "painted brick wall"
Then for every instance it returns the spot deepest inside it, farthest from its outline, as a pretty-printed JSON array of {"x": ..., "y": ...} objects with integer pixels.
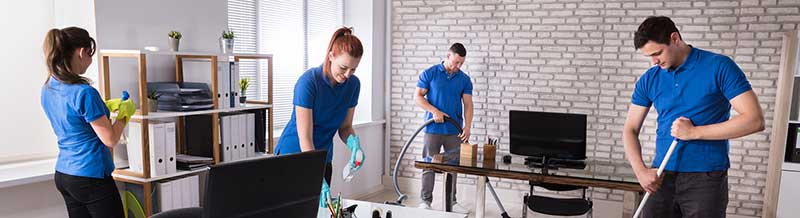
[{"x": 577, "y": 56}]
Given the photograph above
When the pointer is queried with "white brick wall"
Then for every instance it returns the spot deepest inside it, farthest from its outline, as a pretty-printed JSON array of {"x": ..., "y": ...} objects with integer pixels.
[{"x": 577, "y": 56}]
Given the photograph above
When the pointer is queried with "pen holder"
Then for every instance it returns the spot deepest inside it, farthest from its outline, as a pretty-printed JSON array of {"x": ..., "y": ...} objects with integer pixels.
[{"x": 489, "y": 152}]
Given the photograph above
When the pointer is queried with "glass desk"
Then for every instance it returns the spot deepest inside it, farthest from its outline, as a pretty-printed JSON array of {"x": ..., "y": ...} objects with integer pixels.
[
  {"x": 602, "y": 173},
  {"x": 366, "y": 210}
]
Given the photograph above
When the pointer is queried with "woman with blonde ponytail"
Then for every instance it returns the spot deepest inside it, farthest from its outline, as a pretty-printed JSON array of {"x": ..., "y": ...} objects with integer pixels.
[
  {"x": 325, "y": 98},
  {"x": 80, "y": 120}
]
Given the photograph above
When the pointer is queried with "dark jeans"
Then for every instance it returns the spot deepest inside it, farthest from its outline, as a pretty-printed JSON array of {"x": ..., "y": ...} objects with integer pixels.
[
  {"x": 89, "y": 197},
  {"x": 692, "y": 195}
]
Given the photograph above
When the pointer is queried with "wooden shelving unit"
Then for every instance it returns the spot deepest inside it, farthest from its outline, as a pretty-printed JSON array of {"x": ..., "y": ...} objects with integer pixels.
[{"x": 143, "y": 116}]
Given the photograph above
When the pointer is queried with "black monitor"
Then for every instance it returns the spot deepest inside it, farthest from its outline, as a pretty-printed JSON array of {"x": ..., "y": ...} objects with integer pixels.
[
  {"x": 279, "y": 186},
  {"x": 549, "y": 135}
]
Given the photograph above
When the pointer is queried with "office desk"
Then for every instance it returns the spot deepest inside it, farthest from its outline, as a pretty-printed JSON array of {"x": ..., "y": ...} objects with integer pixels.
[
  {"x": 364, "y": 210},
  {"x": 602, "y": 173}
]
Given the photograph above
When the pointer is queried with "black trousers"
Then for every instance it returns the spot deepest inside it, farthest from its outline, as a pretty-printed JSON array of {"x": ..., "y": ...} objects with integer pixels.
[
  {"x": 690, "y": 195},
  {"x": 89, "y": 197},
  {"x": 328, "y": 172}
]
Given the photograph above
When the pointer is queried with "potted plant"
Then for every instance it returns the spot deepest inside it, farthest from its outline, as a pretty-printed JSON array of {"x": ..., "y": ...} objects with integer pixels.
[
  {"x": 226, "y": 42},
  {"x": 243, "y": 84},
  {"x": 175, "y": 38},
  {"x": 152, "y": 101}
]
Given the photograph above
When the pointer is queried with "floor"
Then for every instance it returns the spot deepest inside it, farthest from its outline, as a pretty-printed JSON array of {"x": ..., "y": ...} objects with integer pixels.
[{"x": 514, "y": 208}]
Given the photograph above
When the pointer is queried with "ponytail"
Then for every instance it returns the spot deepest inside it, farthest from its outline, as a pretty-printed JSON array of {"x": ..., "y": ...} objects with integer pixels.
[
  {"x": 59, "y": 49},
  {"x": 342, "y": 41}
]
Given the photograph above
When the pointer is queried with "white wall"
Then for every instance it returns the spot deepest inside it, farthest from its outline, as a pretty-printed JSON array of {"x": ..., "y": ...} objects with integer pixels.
[
  {"x": 24, "y": 128},
  {"x": 368, "y": 178},
  {"x": 136, "y": 24}
]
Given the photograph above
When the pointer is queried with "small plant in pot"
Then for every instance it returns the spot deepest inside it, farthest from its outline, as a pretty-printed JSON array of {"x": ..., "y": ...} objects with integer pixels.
[
  {"x": 175, "y": 39},
  {"x": 226, "y": 42},
  {"x": 243, "y": 84},
  {"x": 152, "y": 101}
]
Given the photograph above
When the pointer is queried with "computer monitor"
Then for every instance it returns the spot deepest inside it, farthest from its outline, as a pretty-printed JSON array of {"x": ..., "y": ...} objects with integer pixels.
[
  {"x": 550, "y": 135},
  {"x": 279, "y": 186}
]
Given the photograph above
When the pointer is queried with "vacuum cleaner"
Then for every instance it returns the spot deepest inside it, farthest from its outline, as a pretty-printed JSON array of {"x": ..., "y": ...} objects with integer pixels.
[{"x": 401, "y": 197}]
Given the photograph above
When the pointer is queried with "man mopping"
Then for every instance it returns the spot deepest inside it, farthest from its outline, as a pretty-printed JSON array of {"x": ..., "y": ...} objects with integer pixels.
[{"x": 693, "y": 91}]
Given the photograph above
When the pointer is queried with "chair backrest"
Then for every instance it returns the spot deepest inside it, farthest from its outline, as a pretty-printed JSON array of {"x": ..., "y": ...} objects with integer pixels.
[{"x": 279, "y": 186}]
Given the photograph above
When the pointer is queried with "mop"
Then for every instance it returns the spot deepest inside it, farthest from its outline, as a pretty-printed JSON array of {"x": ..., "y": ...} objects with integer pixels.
[
  {"x": 402, "y": 196},
  {"x": 658, "y": 174}
]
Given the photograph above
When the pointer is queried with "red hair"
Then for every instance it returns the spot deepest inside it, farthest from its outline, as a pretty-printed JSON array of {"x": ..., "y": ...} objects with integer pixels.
[{"x": 343, "y": 41}]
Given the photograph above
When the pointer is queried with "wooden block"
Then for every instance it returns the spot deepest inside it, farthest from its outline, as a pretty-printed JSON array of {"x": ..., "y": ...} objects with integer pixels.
[
  {"x": 469, "y": 151},
  {"x": 489, "y": 152}
]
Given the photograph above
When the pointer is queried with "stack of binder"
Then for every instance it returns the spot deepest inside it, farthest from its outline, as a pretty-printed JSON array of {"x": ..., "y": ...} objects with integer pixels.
[
  {"x": 228, "y": 85},
  {"x": 237, "y": 136},
  {"x": 161, "y": 144},
  {"x": 179, "y": 193}
]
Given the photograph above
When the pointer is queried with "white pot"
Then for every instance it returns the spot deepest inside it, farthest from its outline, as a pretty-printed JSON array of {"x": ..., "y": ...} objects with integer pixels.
[
  {"x": 226, "y": 45},
  {"x": 174, "y": 44}
]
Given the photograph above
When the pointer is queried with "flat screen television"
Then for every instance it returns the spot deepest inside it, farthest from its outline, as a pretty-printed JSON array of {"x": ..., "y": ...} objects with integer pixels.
[{"x": 550, "y": 135}]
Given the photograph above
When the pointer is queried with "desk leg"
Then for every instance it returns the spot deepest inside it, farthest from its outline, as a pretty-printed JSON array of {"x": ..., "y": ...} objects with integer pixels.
[
  {"x": 630, "y": 201},
  {"x": 447, "y": 192},
  {"x": 480, "y": 197}
]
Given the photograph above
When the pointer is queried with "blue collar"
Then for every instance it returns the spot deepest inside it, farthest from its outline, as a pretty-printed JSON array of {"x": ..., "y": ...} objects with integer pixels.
[
  {"x": 324, "y": 77},
  {"x": 444, "y": 70},
  {"x": 689, "y": 63}
]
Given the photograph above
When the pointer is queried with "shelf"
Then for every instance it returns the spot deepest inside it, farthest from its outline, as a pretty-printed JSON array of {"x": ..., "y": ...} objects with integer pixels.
[
  {"x": 119, "y": 174},
  {"x": 791, "y": 166},
  {"x": 171, "y": 114},
  {"x": 126, "y": 178},
  {"x": 794, "y": 122},
  {"x": 131, "y": 53}
]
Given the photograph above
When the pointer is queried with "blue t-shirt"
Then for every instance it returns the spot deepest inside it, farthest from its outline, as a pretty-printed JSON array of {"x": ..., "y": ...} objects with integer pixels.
[
  {"x": 445, "y": 92},
  {"x": 329, "y": 105},
  {"x": 71, "y": 108},
  {"x": 699, "y": 89}
]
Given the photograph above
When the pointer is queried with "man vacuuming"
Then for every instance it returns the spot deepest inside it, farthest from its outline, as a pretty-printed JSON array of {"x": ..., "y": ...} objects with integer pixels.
[{"x": 692, "y": 91}]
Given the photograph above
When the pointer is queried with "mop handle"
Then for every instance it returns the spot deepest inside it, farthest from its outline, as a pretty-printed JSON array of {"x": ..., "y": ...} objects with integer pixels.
[{"x": 658, "y": 174}]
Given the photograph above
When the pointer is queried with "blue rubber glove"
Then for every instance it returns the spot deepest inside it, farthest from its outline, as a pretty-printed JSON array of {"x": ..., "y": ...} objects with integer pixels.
[
  {"x": 325, "y": 194},
  {"x": 354, "y": 144}
]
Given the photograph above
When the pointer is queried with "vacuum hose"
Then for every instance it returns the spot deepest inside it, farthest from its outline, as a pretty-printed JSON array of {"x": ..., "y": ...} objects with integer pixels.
[{"x": 400, "y": 195}]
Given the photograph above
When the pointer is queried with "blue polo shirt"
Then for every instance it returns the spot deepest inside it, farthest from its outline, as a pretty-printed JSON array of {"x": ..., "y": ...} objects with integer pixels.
[
  {"x": 329, "y": 105},
  {"x": 699, "y": 89},
  {"x": 71, "y": 108},
  {"x": 445, "y": 92}
]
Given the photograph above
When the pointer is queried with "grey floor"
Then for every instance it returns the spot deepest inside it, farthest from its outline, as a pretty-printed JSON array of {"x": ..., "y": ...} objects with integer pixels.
[{"x": 514, "y": 207}]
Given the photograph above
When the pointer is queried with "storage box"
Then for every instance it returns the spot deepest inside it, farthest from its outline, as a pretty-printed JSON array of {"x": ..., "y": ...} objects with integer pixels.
[{"x": 469, "y": 151}]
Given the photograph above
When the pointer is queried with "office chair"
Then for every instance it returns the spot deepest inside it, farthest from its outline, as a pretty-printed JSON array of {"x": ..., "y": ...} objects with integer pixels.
[
  {"x": 557, "y": 206},
  {"x": 241, "y": 189},
  {"x": 189, "y": 212}
]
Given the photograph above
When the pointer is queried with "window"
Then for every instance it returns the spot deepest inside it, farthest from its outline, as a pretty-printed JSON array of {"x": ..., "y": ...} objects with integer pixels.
[{"x": 295, "y": 32}]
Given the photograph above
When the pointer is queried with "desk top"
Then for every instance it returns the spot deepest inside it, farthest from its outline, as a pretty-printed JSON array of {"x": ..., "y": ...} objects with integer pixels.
[
  {"x": 605, "y": 173},
  {"x": 365, "y": 209}
]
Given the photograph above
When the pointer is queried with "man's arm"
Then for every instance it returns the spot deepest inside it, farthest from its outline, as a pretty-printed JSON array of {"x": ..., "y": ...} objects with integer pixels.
[
  {"x": 750, "y": 120},
  {"x": 419, "y": 98},
  {"x": 633, "y": 148},
  {"x": 468, "y": 113}
]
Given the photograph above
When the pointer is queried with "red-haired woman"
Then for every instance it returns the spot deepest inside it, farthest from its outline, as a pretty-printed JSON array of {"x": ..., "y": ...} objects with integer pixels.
[{"x": 325, "y": 98}]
